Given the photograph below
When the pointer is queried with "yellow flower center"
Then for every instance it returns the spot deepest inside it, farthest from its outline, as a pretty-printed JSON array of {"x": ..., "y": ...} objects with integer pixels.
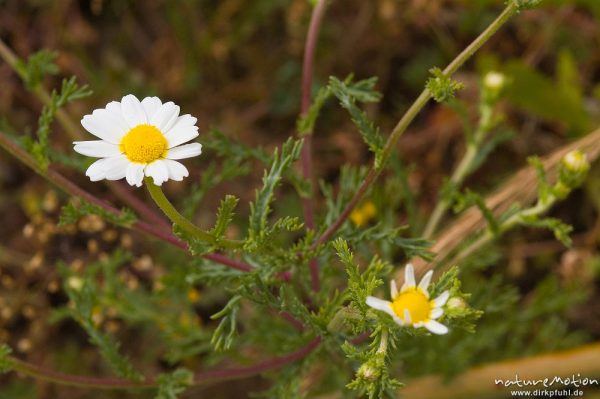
[
  {"x": 417, "y": 304},
  {"x": 144, "y": 144}
]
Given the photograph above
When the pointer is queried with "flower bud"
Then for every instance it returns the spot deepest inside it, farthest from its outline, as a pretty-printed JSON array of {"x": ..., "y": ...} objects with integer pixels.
[
  {"x": 572, "y": 169},
  {"x": 493, "y": 83},
  {"x": 75, "y": 283},
  {"x": 368, "y": 372},
  {"x": 456, "y": 303},
  {"x": 576, "y": 161}
]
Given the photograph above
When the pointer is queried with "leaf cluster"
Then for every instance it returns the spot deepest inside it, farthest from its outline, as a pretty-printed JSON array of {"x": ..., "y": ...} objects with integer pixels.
[
  {"x": 349, "y": 93},
  {"x": 83, "y": 294},
  {"x": 75, "y": 210},
  {"x": 441, "y": 86}
]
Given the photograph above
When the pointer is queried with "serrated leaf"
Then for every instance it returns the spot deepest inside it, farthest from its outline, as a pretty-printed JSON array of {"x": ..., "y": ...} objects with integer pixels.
[
  {"x": 83, "y": 296},
  {"x": 38, "y": 65},
  {"x": 195, "y": 246},
  {"x": 348, "y": 94},
  {"x": 470, "y": 198},
  {"x": 360, "y": 284},
  {"x": 226, "y": 147},
  {"x": 560, "y": 229},
  {"x": 73, "y": 211},
  {"x": 70, "y": 91},
  {"x": 224, "y": 216},
  {"x": 172, "y": 384},
  {"x": 261, "y": 207},
  {"x": 441, "y": 86},
  {"x": 306, "y": 122},
  {"x": 224, "y": 334}
]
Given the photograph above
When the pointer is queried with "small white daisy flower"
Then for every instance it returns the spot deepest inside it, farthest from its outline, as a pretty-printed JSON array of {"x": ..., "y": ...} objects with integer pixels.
[
  {"x": 412, "y": 306},
  {"x": 139, "y": 139}
]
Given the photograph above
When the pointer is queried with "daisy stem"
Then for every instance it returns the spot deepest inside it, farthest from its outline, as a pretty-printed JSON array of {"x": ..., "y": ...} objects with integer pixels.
[
  {"x": 177, "y": 218},
  {"x": 410, "y": 115},
  {"x": 70, "y": 188},
  {"x": 72, "y": 129}
]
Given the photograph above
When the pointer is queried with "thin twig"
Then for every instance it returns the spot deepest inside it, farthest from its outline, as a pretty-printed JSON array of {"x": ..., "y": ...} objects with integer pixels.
[
  {"x": 409, "y": 116},
  {"x": 520, "y": 188},
  {"x": 13, "y": 61},
  {"x": 71, "y": 188},
  {"x": 310, "y": 46},
  {"x": 74, "y": 132},
  {"x": 201, "y": 378}
]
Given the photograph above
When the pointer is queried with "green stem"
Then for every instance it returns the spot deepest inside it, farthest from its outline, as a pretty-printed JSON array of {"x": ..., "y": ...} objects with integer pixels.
[
  {"x": 463, "y": 169},
  {"x": 516, "y": 219},
  {"x": 409, "y": 116},
  {"x": 457, "y": 178},
  {"x": 177, "y": 218},
  {"x": 383, "y": 343}
]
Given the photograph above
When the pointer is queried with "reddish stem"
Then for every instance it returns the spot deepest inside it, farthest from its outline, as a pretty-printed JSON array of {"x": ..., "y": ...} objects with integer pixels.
[
  {"x": 258, "y": 368},
  {"x": 297, "y": 324},
  {"x": 371, "y": 176},
  {"x": 199, "y": 378},
  {"x": 316, "y": 20},
  {"x": 69, "y": 187}
]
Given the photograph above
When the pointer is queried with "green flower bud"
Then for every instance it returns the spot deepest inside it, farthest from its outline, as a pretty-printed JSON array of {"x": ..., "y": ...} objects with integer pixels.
[
  {"x": 368, "y": 372},
  {"x": 75, "y": 283},
  {"x": 456, "y": 303},
  {"x": 492, "y": 85},
  {"x": 572, "y": 169},
  {"x": 526, "y": 4}
]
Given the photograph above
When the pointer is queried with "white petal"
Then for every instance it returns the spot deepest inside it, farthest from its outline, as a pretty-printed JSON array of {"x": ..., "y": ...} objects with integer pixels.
[
  {"x": 115, "y": 108},
  {"x": 97, "y": 148},
  {"x": 176, "y": 170},
  {"x": 151, "y": 105},
  {"x": 436, "y": 328},
  {"x": 116, "y": 169},
  {"x": 409, "y": 278},
  {"x": 105, "y": 124},
  {"x": 441, "y": 300},
  {"x": 97, "y": 170},
  {"x": 185, "y": 151},
  {"x": 182, "y": 131},
  {"x": 135, "y": 174},
  {"x": 436, "y": 313},
  {"x": 380, "y": 304},
  {"x": 407, "y": 317},
  {"x": 424, "y": 284},
  {"x": 165, "y": 116},
  {"x": 158, "y": 171},
  {"x": 398, "y": 320},
  {"x": 132, "y": 111},
  {"x": 393, "y": 289}
]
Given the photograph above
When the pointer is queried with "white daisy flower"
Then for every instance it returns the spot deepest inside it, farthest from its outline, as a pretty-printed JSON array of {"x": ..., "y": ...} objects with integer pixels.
[
  {"x": 139, "y": 139},
  {"x": 412, "y": 306}
]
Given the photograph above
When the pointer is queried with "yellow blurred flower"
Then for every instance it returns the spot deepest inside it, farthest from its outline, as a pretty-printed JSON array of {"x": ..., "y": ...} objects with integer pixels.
[{"x": 363, "y": 214}]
